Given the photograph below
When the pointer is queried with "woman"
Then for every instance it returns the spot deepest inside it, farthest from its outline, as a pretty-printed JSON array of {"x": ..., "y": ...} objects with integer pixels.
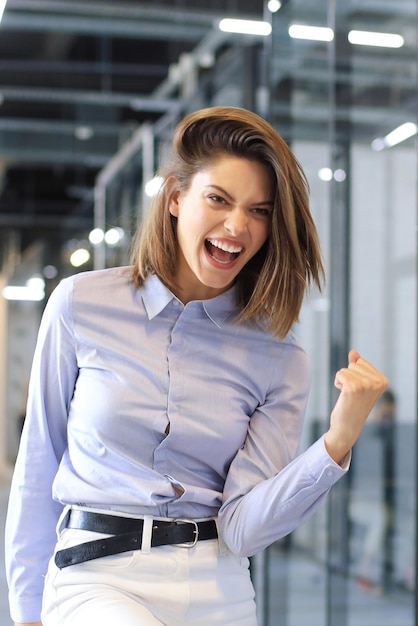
[{"x": 166, "y": 400}]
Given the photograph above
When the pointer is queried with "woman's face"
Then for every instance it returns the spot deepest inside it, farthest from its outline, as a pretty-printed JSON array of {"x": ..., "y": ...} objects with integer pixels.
[{"x": 223, "y": 219}]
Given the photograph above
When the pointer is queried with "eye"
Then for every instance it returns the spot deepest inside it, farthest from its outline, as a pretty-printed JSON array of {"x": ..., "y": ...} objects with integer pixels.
[
  {"x": 215, "y": 198},
  {"x": 262, "y": 212}
]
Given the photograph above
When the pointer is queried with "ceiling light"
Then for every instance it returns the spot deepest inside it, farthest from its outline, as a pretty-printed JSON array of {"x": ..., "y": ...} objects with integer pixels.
[
  {"x": 96, "y": 236},
  {"x": 79, "y": 257},
  {"x": 2, "y": 7},
  {"x": 399, "y": 134},
  {"x": 325, "y": 173},
  {"x": 339, "y": 175},
  {"x": 368, "y": 38},
  {"x": 207, "y": 60},
  {"x": 245, "y": 27},
  {"x": 113, "y": 236},
  {"x": 22, "y": 293},
  {"x": 153, "y": 186},
  {"x": 312, "y": 33},
  {"x": 50, "y": 271},
  {"x": 33, "y": 291},
  {"x": 273, "y": 6},
  {"x": 378, "y": 144},
  {"x": 83, "y": 132},
  {"x": 402, "y": 132}
]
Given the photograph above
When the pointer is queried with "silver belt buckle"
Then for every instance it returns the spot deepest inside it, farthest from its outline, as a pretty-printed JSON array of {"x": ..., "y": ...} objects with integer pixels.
[{"x": 188, "y": 544}]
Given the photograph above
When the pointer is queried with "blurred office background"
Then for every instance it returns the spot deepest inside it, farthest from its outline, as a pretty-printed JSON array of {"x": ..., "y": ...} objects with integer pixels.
[{"x": 89, "y": 94}]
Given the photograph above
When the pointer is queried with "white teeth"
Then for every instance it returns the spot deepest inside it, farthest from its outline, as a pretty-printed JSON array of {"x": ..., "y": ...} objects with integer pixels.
[{"x": 225, "y": 246}]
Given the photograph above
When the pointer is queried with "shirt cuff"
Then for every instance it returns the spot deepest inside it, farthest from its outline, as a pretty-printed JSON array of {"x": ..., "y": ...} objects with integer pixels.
[{"x": 322, "y": 467}]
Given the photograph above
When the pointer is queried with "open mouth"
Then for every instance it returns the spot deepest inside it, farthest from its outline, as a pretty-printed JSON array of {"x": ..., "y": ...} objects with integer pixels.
[{"x": 222, "y": 252}]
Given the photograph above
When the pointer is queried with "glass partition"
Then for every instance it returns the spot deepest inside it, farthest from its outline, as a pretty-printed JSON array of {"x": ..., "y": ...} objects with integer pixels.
[{"x": 337, "y": 102}]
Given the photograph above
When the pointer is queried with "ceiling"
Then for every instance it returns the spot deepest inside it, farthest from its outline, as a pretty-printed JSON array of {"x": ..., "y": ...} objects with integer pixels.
[{"x": 77, "y": 77}]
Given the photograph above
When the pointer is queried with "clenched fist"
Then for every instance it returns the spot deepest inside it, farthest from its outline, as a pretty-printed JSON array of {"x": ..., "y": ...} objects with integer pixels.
[{"x": 360, "y": 385}]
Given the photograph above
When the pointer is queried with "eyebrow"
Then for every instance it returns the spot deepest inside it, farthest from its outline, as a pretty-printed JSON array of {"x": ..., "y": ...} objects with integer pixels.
[{"x": 222, "y": 190}]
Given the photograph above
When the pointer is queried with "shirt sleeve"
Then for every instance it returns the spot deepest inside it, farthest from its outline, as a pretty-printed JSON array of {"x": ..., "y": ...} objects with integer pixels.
[
  {"x": 32, "y": 513},
  {"x": 268, "y": 491}
]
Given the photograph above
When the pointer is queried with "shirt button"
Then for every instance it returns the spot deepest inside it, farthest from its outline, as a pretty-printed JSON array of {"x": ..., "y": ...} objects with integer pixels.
[{"x": 330, "y": 473}]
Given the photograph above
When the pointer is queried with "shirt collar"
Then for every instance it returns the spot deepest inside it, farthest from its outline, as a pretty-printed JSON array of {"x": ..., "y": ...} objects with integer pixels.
[{"x": 156, "y": 296}]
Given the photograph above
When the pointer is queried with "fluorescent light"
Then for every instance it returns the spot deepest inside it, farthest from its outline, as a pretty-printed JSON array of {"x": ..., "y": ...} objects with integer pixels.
[
  {"x": 33, "y": 291},
  {"x": 114, "y": 235},
  {"x": 207, "y": 60},
  {"x": 325, "y": 173},
  {"x": 96, "y": 236},
  {"x": 340, "y": 175},
  {"x": 2, "y": 7},
  {"x": 312, "y": 33},
  {"x": 23, "y": 293},
  {"x": 397, "y": 135},
  {"x": 79, "y": 257},
  {"x": 273, "y": 5},
  {"x": 153, "y": 186},
  {"x": 368, "y": 38},
  {"x": 245, "y": 27},
  {"x": 405, "y": 131},
  {"x": 50, "y": 271},
  {"x": 83, "y": 133},
  {"x": 378, "y": 144}
]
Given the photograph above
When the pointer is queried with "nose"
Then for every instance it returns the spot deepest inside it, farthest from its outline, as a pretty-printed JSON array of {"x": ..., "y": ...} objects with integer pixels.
[{"x": 236, "y": 221}]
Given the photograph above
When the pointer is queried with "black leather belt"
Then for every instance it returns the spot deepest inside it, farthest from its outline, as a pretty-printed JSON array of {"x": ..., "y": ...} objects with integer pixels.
[{"x": 127, "y": 535}]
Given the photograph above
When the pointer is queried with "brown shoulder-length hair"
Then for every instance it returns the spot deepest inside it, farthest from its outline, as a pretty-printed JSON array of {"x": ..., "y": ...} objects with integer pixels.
[{"x": 272, "y": 284}]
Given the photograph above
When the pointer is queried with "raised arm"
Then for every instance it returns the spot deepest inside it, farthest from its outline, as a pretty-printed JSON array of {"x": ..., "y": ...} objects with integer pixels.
[{"x": 267, "y": 494}]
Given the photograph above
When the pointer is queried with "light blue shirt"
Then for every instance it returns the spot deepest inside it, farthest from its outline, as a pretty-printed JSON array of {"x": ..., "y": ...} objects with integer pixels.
[{"x": 116, "y": 369}]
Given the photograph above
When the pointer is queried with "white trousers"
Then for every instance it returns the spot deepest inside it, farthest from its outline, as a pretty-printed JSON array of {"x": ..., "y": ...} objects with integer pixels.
[{"x": 200, "y": 586}]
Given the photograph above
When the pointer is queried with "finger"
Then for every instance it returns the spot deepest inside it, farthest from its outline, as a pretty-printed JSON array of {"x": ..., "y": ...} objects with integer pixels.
[
  {"x": 355, "y": 359},
  {"x": 359, "y": 375},
  {"x": 346, "y": 377},
  {"x": 364, "y": 368},
  {"x": 361, "y": 367},
  {"x": 353, "y": 356}
]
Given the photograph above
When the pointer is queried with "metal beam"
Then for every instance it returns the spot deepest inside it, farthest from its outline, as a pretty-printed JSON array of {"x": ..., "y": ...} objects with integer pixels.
[
  {"x": 53, "y": 156},
  {"x": 138, "y": 29},
  {"x": 16, "y": 220},
  {"x": 116, "y": 10},
  {"x": 137, "y": 102},
  {"x": 114, "y": 19},
  {"x": 11, "y": 124},
  {"x": 37, "y": 66}
]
